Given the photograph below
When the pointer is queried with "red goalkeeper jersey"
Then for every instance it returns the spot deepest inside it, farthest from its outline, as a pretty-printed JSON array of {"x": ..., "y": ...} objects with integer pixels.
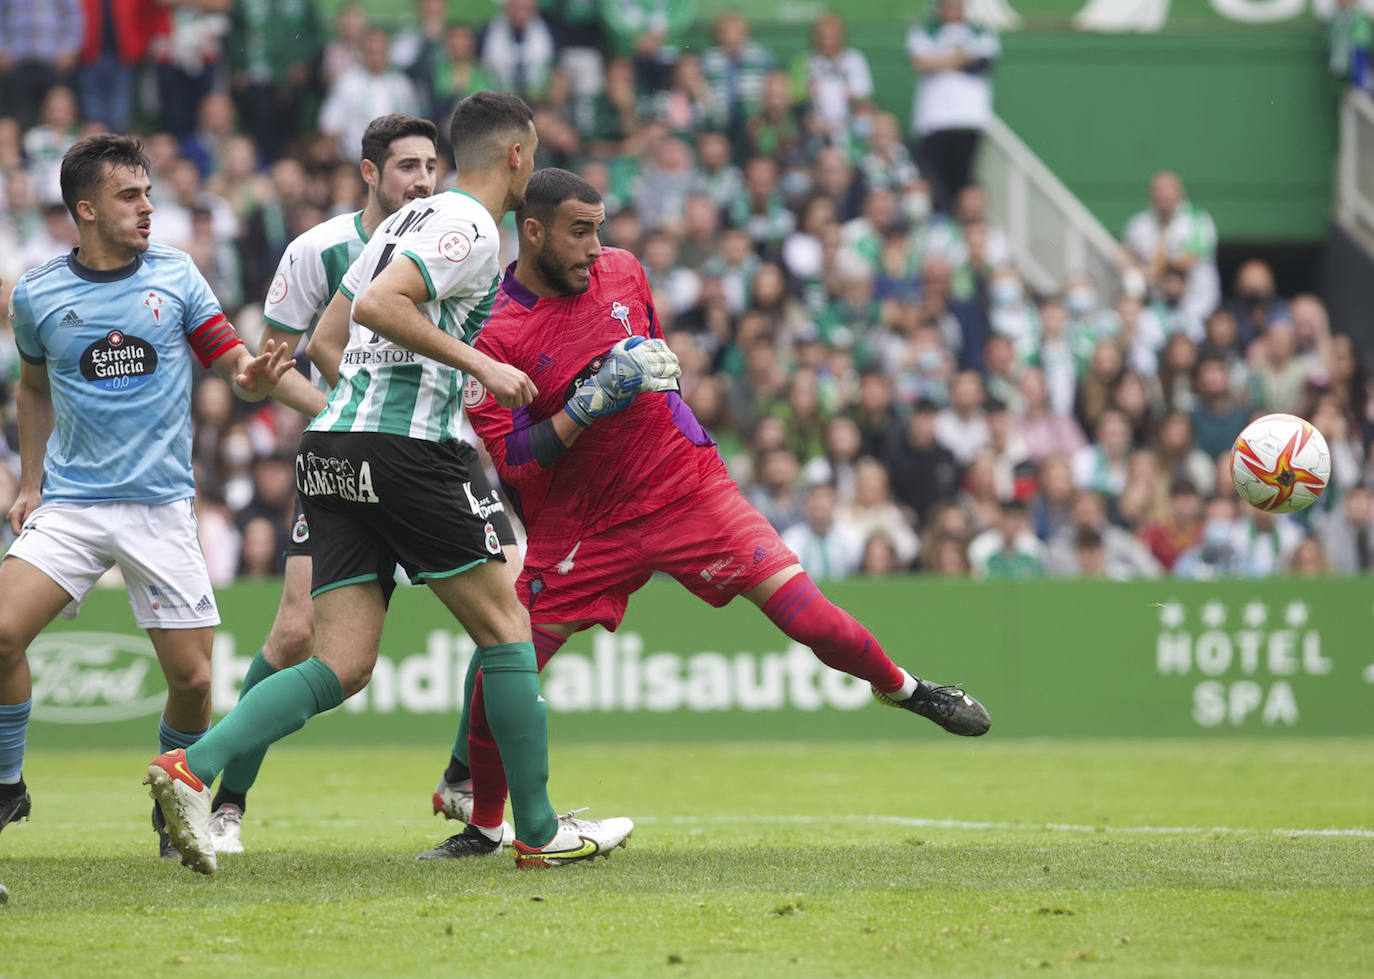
[{"x": 623, "y": 466}]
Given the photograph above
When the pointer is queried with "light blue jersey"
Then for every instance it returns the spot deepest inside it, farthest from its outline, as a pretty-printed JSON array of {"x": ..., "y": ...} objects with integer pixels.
[{"x": 118, "y": 347}]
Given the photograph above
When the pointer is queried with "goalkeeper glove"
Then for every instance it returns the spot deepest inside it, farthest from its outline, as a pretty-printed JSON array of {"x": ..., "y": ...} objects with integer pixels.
[{"x": 634, "y": 364}]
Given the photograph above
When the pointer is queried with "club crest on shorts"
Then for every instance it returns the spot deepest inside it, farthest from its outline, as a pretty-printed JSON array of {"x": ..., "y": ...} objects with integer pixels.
[
  {"x": 493, "y": 542},
  {"x": 621, "y": 312},
  {"x": 300, "y": 530}
]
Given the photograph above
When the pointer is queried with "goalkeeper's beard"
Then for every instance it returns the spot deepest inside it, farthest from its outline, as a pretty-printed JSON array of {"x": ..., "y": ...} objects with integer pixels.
[{"x": 557, "y": 275}]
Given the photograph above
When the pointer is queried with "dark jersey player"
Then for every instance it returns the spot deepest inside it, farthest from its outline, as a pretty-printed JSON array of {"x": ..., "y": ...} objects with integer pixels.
[{"x": 633, "y": 486}]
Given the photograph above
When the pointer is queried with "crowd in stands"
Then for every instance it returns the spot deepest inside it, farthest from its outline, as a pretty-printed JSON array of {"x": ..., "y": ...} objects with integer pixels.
[{"x": 853, "y": 330}]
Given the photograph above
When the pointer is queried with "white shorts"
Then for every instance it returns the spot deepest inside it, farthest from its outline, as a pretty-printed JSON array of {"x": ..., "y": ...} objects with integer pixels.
[{"x": 154, "y": 544}]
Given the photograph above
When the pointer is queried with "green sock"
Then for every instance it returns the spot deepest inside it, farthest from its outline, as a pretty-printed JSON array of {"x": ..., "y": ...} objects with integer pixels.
[
  {"x": 240, "y": 774},
  {"x": 275, "y": 707},
  {"x": 460, "y": 743},
  {"x": 519, "y": 721}
]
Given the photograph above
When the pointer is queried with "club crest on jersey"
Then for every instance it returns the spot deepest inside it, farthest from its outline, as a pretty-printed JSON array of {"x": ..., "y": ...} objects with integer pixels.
[
  {"x": 621, "y": 312},
  {"x": 455, "y": 246},
  {"x": 278, "y": 291},
  {"x": 154, "y": 302},
  {"x": 473, "y": 392}
]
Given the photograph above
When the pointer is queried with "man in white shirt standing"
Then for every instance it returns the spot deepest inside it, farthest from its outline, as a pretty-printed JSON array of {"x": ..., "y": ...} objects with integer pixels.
[
  {"x": 1173, "y": 234},
  {"x": 363, "y": 93},
  {"x": 953, "y": 103}
]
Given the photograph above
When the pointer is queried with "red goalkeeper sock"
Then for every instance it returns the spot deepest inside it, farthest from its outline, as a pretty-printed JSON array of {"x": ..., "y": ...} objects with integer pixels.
[
  {"x": 484, "y": 758},
  {"x": 838, "y": 639}
]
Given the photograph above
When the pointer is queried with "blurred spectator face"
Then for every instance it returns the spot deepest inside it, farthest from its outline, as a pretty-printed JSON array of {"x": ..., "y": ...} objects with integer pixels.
[
  {"x": 408, "y": 172},
  {"x": 351, "y": 24},
  {"x": 950, "y": 559},
  {"x": 520, "y": 12},
  {"x": 1114, "y": 434},
  {"x": 700, "y": 219},
  {"x": 803, "y": 396},
  {"x": 1056, "y": 481},
  {"x": 568, "y": 247},
  {"x": 1107, "y": 362},
  {"x": 288, "y": 178},
  {"x": 980, "y": 480},
  {"x": 1130, "y": 396},
  {"x": 828, "y": 35},
  {"x": 684, "y": 344},
  {"x": 1089, "y": 554},
  {"x": 875, "y": 394},
  {"x": 1309, "y": 560},
  {"x": 59, "y": 108},
  {"x": 768, "y": 287},
  {"x": 217, "y": 114},
  {"x": 920, "y": 429},
  {"x": 214, "y": 403},
  {"x": 887, "y": 134},
  {"x": 1309, "y": 320},
  {"x": 761, "y": 177},
  {"x": 1089, "y": 511},
  {"x": 714, "y": 151},
  {"x": 966, "y": 395},
  {"x": 1180, "y": 354},
  {"x": 185, "y": 180},
  {"x": 1080, "y": 295},
  {"x": 778, "y": 469},
  {"x": 1176, "y": 435},
  {"x": 673, "y": 156},
  {"x": 1012, "y": 523},
  {"x": 1255, "y": 283},
  {"x": 1173, "y": 284},
  {"x": 1280, "y": 342},
  {"x": 880, "y": 208},
  {"x": 1034, "y": 391},
  {"x": 687, "y": 73},
  {"x": 240, "y": 159},
  {"x": 777, "y": 94},
  {"x": 952, "y": 11},
  {"x": 706, "y": 401},
  {"x": 971, "y": 204},
  {"x": 258, "y": 554},
  {"x": 1185, "y": 506},
  {"x": 1344, "y": 361},
  {"x": 870, "y": 484},
  {"x": 976, "y": 238},
  {"x": 732, "y": 31},
  {"x": 1129, "y": 308},
  {"x": 999, "y": 358},
  {"x": 1054, "y": 319},
  {"x": 460, "y": 43},
  {"x": 1329, "y": 419},
  {"x": 1166, "y": 193},
  {"x": 833, "y": 172},
  {"x": 879, "y": 557},
  {"x": 843, "y": 440},
  {"x": 1006, "y": 290},
  {"x": 935, "y": 277},
  {"x": 820, "y": 508},
  {"x": 735, "y": 246},
  {"x": 1221, "y": 330},
  {"x": 620, "y": 78},
  {"x": 1359, "y": 507},
  {"x": 377, "y": 51},
  {"x": 771, "y": 433},
  {"x": 274, "y": 480},
  {"x": 627, "y": 231}
]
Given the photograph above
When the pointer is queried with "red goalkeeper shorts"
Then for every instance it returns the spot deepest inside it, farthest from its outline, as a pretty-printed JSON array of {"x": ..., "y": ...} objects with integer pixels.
[{"x": 713, "y": 541}]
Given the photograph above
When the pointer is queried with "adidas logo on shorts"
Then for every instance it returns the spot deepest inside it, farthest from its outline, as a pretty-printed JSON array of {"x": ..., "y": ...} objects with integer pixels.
[{"x": 205, "y": 605}]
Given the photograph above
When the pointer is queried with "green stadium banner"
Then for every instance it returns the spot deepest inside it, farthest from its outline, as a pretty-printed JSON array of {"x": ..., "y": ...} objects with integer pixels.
[{"x": 1048, "y": 658}]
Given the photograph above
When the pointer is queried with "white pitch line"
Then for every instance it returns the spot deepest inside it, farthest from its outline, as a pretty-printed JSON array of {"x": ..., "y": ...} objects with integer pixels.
[
  {"x": 800, "y": 819},
  {"x": 919, "y": 823}
]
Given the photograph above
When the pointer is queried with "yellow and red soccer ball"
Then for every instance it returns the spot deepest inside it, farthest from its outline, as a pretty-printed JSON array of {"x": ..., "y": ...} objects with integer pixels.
[{"x": 1280, "y": 464}]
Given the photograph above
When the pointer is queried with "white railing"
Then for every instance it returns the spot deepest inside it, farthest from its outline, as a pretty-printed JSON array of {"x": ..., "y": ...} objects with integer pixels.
[
  {"x": 1355, "y": 183},
  {"x": 1050, "y": 233}
]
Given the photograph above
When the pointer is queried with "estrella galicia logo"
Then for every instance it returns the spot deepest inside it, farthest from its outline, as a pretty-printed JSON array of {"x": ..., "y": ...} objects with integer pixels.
[{"x": 119, "y": 362}]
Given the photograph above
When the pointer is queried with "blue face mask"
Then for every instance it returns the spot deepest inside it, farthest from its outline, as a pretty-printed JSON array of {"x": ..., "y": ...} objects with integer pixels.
[
  {"x": 1216, "y": 535},
  {"x": 1081, "y": 301}
]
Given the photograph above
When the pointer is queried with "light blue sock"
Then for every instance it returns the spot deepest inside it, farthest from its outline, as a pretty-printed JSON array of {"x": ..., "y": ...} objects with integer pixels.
[
  {"x": 169, "y": 738},
  {"x": 14, "y": 726}
]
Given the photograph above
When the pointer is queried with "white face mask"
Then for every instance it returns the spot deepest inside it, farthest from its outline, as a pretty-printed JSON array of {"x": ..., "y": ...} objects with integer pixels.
[
  {"x": 916, "y": 206},
  {"x": 1006, "y": 292},
  {"x": 1081, "y": 301},
  {"x": 1133, "y": 283}
]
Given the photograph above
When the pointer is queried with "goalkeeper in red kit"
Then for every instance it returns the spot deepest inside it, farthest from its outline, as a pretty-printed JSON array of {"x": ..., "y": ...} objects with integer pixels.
[{"x": 615, "y": 479}]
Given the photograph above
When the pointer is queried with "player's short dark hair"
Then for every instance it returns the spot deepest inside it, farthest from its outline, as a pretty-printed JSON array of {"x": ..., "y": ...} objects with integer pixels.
[
  {"x": 85, "y": 164},
  {"x": 480, "y": 121},
  {"x": 549, "y": 188},
  {"x": 385, "y": 130}
]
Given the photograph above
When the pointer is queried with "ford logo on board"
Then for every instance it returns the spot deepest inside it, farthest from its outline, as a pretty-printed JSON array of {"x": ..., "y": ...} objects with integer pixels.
[{"x": 94, "y": 677}]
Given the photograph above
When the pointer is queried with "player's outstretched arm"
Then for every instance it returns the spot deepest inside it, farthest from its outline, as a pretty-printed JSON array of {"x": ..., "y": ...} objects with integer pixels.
[
  {"x": 388, "y": 306},
  {"x": 326, "y": 347},
  {"x": 33, "y": 399}
]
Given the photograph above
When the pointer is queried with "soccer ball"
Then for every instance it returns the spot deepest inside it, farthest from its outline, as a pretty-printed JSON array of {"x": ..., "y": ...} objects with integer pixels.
[{"x": 1280, "y": 464}]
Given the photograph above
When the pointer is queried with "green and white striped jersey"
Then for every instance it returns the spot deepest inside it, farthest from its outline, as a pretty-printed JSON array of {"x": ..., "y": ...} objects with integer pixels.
[
  {"x": 384, "y": 387},
  {"x": 309, "y": 273}
]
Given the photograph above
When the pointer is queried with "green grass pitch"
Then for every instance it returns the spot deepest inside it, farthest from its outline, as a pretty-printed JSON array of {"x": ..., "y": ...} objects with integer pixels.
[{"x": 1176, "y": 858}]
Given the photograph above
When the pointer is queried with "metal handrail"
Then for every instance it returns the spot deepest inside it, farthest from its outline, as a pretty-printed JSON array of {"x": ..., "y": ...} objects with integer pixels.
[
  {"x": 1354, "y": 207},
  {"x": 1079, "y": 242}
]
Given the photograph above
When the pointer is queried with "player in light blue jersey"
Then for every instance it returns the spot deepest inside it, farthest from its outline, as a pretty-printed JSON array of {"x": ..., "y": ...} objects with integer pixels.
[{"x": 107, "y": 334}]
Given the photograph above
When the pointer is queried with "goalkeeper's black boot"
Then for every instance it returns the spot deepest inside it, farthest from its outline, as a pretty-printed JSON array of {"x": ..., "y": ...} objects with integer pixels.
[
  {"x": 15, "y": 807},
  {"x": 165, "y": 846},
  {"x": 949, "y": 707},
  {"x": 471, "y": 842}
]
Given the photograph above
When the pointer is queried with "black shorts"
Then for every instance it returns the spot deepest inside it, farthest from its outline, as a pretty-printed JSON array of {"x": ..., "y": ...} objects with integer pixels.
[
  {"x": 298, "y": 542},
  {"x": 375, "y": 501}
]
